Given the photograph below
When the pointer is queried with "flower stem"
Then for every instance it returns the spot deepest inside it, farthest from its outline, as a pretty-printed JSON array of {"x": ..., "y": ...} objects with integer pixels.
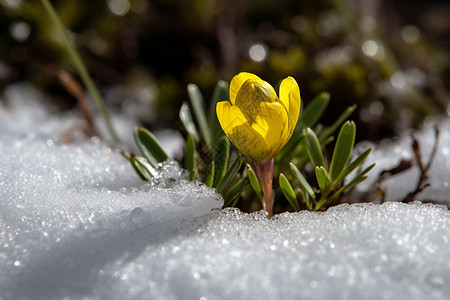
[{"x": 264, "y": 173}]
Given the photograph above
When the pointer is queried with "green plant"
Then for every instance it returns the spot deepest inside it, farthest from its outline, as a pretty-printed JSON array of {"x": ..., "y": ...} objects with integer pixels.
[
  {"x": 210, "y": 158},
  {"x": 330, "y": 177}
]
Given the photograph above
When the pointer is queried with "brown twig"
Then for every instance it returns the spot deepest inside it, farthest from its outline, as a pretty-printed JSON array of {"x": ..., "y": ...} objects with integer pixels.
[
  {"x": 422, "y": 183},
  {"x": 400, "y": 168},
  {"x": 74, "y": 88}
]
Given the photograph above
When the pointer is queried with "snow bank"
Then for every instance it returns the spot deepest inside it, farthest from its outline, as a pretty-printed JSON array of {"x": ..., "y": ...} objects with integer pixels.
[{"x": 77, "y": 223}]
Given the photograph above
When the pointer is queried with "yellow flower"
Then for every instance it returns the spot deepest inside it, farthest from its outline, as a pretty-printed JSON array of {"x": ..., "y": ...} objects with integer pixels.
[{"x": 257, "y": 121}]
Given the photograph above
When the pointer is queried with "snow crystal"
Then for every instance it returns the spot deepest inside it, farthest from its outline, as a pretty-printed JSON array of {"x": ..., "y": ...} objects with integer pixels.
[{"x": 77, "y": 223}]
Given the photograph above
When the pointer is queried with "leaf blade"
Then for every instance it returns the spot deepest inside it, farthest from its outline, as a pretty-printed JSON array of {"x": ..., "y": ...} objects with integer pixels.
[
  {"x": 189, "y": 157},
  {"x": 221, "y": 158},
  {"x": 234, "y": 192},
  {"x": 254, "y": 182},
  {"x": 150, "y": 147},
  {"x": 209, "y": 179},
  {"x": 314, "y": 148},
  {"x": 229, "y": 174},
  {"x": 322, "y": 178},
  {"x": 185, "y": 116},
  {"x": 355, "y": 163},
  {"x": 141, "y": 170},
  {"x": 198, "y": 106},
  {"x": 342, "y": 149},
  {"x": 302, "y": 180},
  {"x": 288, "y": 191}
]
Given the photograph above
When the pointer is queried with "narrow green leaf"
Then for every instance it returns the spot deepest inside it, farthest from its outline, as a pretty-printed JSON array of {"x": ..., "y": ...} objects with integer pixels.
[
  {"x": 360, "y": 175},
  {"x": 322, "y": 178},
  {"x": 189, "y": 156},
  {"x": 288, "y": 192},
  {"x": 234, "y": 192},
  {"x": 146, "y": 165},
  {"x": 342, "y": 149},
  {"x": 354, "y": 164},
  {"x": 149, "y": 143},
  {"x": 221, "y": 158},
  {"x": 303, "y": 183},
  {"x": 229, "y": 174},
  {"x": 142, "y": 172},
  {"x": 254, "y": 182},
  {"x": 342, "y": 118},
  {"x": 314, "y": 148},
  {"x": 188, "y": 122},
  {"x": 314, "y": 110},
  {"x": 209, "y": 179},
  {"x": 144, "y": 148},
  {"x": 220, "y": 94},
  {"x": 358, "y": 178},
  {"x": 198, "y": 106}
]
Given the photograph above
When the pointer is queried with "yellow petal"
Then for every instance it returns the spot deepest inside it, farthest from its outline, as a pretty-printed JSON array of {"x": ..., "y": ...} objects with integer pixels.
[
  {"x": 272, "y": 124},
  {"x": 290, "y": 96},
  {"x": 246, "y": 139},
  {"x": 250, "y": 96},
  {"x": 237, "y": 82}
]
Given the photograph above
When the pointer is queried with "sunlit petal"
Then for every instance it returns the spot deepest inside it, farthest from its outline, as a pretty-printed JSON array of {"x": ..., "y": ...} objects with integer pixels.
[
  {"x": 271, "y": 124},
  {"x": 237, "y": 82},
  {"x": 290, "y": 96},
  {"x": 245, "y": 138}
]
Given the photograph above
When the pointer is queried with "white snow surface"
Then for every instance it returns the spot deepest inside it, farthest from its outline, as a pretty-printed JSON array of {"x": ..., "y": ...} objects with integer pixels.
[{"x": 77, "y": 223}]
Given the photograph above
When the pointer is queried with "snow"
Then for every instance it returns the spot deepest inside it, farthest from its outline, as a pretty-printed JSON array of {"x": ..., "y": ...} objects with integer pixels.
[{"x": 77, "y": 223}]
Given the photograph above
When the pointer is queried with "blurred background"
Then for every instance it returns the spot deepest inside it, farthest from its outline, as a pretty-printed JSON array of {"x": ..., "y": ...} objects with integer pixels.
[{"x": 391, "y": 58}]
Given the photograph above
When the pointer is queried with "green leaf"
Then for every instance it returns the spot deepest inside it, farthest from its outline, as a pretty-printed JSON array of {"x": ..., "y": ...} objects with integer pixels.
[
  {"x": 360, "y": 175},
  {"x": 149, "y": 146},
  {"x": 220, "y": 94},
  {"x": 342, "y": 150},
  {"x": 303, "y": 183},
  {"x": 233, "y": 193},
  {"x": 342, "y": 118},
  {"x": 254, "y": 182},
  {"x": 221, "y": 158},
  {"x": 140, "y": 169},
  {"x": 358, "y": 178},
  {"x": 354, "y": 164},
  {"x": 314, "y": 148},
  {"x": 198, "y": 106},
  {"x": 322, "y": 178},
  {"x": 226, "y": 179},
  {"x": 288, "y": 192},
  {"x": 189, "y": 157},
  {"x": 188, "y": 122},
  {"x": 314, "y": 110},
  {"x": 209, "y": 179}
]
